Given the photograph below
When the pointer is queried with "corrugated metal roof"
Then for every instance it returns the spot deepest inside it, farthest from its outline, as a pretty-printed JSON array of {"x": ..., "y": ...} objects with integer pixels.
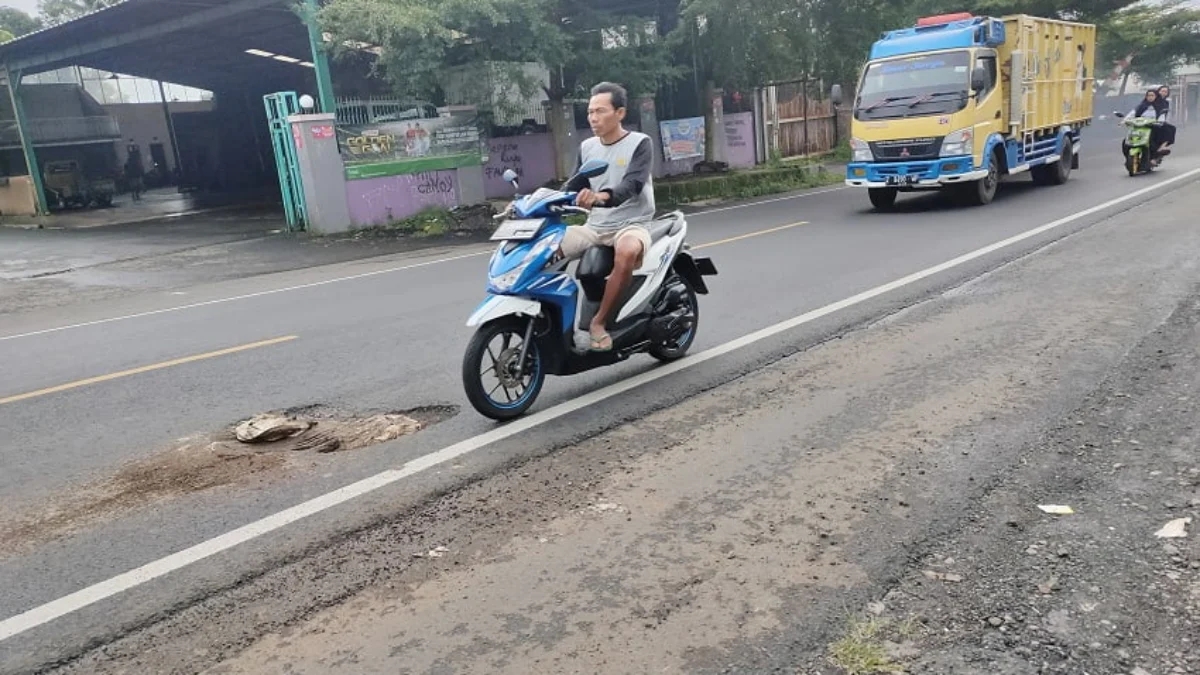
[
  {"x": 78, "y": 18},
  {"x": 200, "y": 43}
]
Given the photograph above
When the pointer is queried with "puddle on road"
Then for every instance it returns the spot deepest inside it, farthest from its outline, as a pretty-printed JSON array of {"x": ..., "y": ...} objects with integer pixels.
[{"x": 206, "y": 462}]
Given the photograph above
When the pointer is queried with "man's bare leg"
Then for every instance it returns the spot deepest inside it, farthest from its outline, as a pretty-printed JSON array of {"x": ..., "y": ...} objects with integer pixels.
[{"x": 628, "y": 253}]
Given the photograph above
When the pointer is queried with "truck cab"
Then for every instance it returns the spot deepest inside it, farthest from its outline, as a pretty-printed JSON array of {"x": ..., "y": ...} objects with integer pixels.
[{"x": 935, "y": 109}]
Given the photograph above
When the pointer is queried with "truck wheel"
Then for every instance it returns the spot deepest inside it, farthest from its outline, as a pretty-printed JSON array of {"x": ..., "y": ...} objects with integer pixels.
[
  {"x": 983, "y": 191},
  {"x": 1059, "y": 172},
  {"x": 883, "y": 199}
]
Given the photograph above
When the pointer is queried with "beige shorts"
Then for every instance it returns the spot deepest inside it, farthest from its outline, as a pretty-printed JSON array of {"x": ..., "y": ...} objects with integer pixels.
[{"x": 580, "y": 238}]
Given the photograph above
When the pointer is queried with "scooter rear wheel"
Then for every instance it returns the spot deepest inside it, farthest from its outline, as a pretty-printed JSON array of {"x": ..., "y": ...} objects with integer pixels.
[
  {"x": 674, "y": 352},
  {"x": 490, "y": 378}
]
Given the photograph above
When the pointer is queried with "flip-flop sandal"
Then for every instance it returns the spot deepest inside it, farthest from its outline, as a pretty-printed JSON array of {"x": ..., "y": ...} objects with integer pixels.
[{"x": 598, "y": 343}]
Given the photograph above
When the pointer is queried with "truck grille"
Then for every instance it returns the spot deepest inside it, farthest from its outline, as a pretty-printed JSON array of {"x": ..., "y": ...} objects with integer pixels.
[{"x": 907, "y": 149}]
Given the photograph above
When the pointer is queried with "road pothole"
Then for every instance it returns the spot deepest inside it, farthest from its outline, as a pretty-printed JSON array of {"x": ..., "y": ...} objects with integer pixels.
[{"x": 210, "y": 461}]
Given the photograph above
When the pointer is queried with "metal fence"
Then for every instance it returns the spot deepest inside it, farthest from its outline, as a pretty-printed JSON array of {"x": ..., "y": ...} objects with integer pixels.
[
  {"x": 362, "y": 111},
  {"x": 365, "y": 111}
]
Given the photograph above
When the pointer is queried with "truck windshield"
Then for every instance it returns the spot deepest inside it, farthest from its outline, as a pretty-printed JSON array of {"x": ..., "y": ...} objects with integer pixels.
[{"x": 934, "y": 84}]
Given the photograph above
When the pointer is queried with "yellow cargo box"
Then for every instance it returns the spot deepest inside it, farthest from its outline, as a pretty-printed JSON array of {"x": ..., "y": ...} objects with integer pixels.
[{"x": 1049, "y": 69}]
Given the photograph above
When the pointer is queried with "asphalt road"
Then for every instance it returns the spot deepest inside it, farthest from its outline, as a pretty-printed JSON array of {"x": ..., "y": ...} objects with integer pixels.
[{"x": 393, "y": 341}]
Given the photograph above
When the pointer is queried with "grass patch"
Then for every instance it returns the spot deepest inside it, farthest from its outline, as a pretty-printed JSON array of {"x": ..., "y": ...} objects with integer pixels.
[
  {"x": 841, "y": 154},
  {"x": 862, "y": 650},
  {"x": 743, "y": 184},
  {"x": 432, "y": 223}
]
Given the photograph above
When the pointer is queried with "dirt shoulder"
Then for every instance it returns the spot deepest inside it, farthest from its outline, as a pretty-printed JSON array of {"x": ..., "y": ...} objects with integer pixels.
[
  {"x": 880, "y": 487},
  {"x": 1095, "y": 591}
]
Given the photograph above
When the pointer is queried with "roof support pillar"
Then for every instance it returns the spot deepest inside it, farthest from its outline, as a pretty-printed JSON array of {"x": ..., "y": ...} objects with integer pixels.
[
  {"x": 31, "y": 161},
  {"x": 320, "y": 59}
]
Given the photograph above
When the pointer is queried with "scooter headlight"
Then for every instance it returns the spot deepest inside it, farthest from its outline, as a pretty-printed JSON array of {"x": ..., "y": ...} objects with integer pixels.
[{"x": 507, "y": 280}]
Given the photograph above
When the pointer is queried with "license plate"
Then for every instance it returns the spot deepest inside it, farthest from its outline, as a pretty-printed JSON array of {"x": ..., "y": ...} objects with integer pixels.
[
  {"x": 901, "y": 180},
  {"x": 518, "y": 230}
]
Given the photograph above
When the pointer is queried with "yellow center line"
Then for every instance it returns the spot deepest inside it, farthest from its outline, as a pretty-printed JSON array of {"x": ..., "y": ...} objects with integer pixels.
[
  {"x": 749, "y": 236},
  {"x": 145, "y": 369}
]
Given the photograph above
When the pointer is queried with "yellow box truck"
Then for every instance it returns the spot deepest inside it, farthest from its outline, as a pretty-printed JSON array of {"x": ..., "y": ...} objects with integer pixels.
[{"x": 959, "y": 102}]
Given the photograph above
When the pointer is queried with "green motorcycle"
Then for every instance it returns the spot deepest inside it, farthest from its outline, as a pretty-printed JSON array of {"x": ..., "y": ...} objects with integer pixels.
[{"x": 1139, "y": 156}]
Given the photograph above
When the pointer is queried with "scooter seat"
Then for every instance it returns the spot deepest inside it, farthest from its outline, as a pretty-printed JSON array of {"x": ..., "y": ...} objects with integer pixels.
[{"x": 597, "y": 263}]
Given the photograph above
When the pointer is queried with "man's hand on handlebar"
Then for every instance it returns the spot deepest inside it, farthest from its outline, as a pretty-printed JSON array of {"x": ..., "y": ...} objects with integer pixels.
[
  {"x": 506, "y": 213},
  {"x": 589, "y": 199}
]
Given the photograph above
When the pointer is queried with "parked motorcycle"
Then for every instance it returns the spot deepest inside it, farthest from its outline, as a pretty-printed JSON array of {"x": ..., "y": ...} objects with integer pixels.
[
  {"x": 535, "y": 320},
  {"x": 1139, "y": 156}
]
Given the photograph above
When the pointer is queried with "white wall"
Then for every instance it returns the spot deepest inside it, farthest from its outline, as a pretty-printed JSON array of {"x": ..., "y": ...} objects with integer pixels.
[{"x": 145, "y": 123}]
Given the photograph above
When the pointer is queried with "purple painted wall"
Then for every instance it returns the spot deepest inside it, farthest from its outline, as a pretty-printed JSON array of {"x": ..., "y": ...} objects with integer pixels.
[
  {"x": 376, "y": 201},
  {"x": 532, "y": 157}
]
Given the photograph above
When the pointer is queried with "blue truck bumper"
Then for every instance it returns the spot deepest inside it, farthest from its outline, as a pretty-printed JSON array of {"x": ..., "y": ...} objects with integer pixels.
[{"x": 924, "y": 174}]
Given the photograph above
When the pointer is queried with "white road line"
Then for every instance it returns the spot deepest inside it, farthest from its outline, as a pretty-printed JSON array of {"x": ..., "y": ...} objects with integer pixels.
[
  {"x": 327, "y": 282},
  {"x": 789, "y": 198},
  {"x": 219, "y": 301},
  {"x": 50, "y": 611}
]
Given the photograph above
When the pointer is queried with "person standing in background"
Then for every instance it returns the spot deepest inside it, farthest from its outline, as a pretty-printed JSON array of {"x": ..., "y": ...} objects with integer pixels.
[{"x": 134, "y": 173}]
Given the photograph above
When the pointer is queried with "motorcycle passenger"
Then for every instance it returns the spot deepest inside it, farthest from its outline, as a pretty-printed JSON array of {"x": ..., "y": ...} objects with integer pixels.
[
  {"x": 622, "y": 201},
  {"x": 1154, "y": 107},
  {"x": 1168, "y": 129}
]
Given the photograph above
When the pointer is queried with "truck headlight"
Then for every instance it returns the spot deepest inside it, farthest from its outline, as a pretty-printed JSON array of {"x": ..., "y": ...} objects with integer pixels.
[
  {"x": 961, "y": 142},
  {"x": 862, "y": 150}
]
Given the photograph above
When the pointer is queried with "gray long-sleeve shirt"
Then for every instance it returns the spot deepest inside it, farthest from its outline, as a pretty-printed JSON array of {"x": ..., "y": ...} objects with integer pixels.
[{"x": 628, "y": 180}]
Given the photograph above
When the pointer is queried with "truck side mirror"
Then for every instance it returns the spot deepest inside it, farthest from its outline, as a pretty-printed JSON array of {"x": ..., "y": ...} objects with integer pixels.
[
  {"x": 836, "y": 94},
  {"x": 979, "y": 79}
]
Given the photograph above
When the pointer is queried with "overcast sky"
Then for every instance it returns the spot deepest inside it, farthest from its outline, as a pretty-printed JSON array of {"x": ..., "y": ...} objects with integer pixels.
[{"x": 28, "y": 6}]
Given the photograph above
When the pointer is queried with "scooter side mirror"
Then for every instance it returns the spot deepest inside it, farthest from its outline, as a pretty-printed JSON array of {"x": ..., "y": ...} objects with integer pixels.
[
  {"x": 593, "y": 168},
  {"x": 510, "y": 177}
]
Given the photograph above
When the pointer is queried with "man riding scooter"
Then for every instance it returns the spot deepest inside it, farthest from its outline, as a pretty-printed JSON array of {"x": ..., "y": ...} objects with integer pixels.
[{"x": 621, "y": 199}]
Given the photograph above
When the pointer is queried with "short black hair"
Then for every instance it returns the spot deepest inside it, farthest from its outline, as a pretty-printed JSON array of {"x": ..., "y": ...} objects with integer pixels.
[{"x": 620, "y": 98}]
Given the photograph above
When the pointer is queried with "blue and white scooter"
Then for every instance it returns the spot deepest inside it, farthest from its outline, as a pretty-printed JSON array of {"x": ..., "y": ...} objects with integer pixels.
[{"x": 535, "y": 320}]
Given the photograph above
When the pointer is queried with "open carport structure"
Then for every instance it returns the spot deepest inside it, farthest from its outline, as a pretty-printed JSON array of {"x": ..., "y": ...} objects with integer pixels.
[{"x": 238, "y": 49}]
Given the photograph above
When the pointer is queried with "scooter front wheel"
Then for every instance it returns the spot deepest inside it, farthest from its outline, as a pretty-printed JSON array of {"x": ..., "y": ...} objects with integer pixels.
[{"x": 497, "y": 384}]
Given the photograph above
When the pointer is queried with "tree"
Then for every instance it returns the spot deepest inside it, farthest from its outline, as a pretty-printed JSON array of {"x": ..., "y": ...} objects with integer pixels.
[
  {"x": 1075, "y": 10},
  {"x": 1161, "y": 38},
  {"x": 418, "y": 40},
  {"x": 54, "y": 12},
  {"x": 17, "y": 23},
  {"x": 5, "y": 36}
]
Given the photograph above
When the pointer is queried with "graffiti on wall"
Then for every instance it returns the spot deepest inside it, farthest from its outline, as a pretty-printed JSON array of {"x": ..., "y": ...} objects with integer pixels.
[
  {"x": 378, "y": 201},
  {"x": 531, "y": 157}
]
